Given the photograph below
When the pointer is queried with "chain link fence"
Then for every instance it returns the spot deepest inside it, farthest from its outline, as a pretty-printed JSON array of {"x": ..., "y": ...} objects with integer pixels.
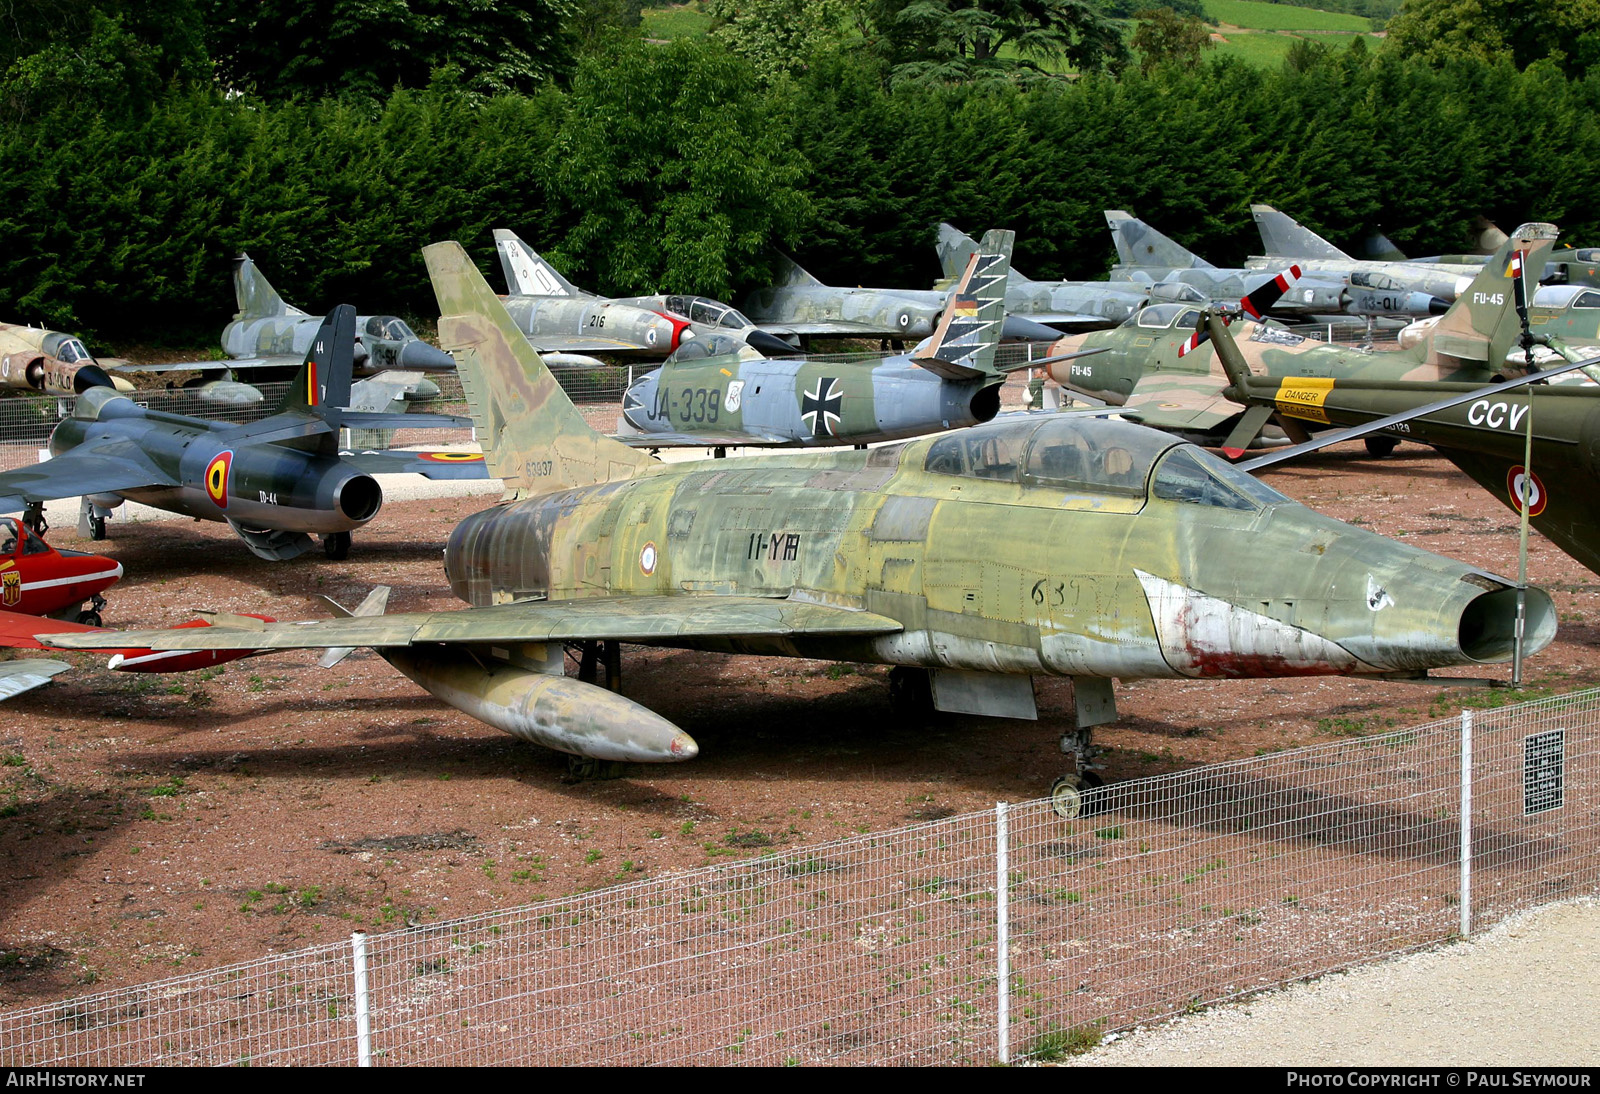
[{"x": 1004, "y": 935}]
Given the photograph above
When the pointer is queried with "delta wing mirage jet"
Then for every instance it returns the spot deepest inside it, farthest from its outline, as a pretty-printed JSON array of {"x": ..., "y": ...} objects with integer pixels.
[
  {"x": 269, "y": 334},
  {"x": 1163, "y": 375},
  {"x": 1285, "y": 240},
  {"x": 1145, "y": 255},
  {"x": 51, "y": 362},
  {"x": 565, "y": 323},
  {"x": 274, "y": 481},
  {"x": 716, "y": 392},
  {"x": 970, "y": 561},
  {"x": 1077, "y": 304}
]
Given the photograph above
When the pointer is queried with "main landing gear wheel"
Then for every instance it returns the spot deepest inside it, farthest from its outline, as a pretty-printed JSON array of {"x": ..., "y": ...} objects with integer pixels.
[
  {"x": 589, "y": 769},
  {"x": 1072, "y": 796},
  {"x": 1379, "y": 447},
  {"x": 90, "y": 617},
  {"x": 336, "y": 546},
  {"x": 97, "y": 528}
]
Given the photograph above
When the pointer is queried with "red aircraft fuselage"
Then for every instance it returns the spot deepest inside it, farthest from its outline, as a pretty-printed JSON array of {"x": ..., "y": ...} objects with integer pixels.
[{"x": 37, "y": 579}]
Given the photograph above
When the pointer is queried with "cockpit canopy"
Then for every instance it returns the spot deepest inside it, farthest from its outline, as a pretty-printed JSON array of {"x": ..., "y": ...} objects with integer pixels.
[
  {"x": 1164, "y": 316},
  {"x": 712, "y": 345},
  {"x": 706, "y": 312},
  {"x": 390, "y": 327},
  {"x": 65, "y": 348},
  {"x": 1092, "y": 456}
]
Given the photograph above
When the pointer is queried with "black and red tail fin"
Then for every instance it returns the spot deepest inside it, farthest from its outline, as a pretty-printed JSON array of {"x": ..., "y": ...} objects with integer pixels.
[{"x": 324, "y": 379}]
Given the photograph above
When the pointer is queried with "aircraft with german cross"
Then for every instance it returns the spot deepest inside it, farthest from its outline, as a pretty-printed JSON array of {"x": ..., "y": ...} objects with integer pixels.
[
  {"x": 275, "y": 481},
  {"x": 945, "y": 557},
  {"x": 717, "y": 392},
  {"x": 1161, "y": 370}
]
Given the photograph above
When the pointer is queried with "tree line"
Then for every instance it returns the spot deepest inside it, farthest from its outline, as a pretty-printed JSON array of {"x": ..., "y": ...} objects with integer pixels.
[{"x": 679, "y": 167}]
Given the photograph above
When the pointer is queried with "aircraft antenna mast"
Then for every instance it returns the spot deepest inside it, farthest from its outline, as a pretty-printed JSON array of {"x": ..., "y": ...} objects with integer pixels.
[{"x": 1525, "y": 487}]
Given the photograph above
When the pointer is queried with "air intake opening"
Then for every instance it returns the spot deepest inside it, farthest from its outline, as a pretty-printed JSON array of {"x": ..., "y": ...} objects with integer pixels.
[{"x": 1487, "y": 631}]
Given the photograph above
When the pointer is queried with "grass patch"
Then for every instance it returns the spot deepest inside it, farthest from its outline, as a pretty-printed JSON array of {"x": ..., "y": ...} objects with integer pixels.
[{"x": 1254, "y": 15}]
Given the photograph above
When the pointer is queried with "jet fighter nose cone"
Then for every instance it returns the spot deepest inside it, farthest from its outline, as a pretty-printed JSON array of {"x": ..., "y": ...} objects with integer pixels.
[
  {"x": 422, "y": 357},
  {"x": 91, "y": 376},
  {"x": 769, "y": 344}
]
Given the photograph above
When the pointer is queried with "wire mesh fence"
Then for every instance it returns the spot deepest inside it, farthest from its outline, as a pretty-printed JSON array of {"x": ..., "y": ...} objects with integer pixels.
[{"x": 906, "y": 946}]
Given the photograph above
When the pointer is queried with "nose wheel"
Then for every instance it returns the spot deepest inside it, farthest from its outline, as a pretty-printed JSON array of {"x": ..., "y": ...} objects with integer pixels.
[
  {"x": 336, "y": 546},
  {"x": 1075, "y": 794}
]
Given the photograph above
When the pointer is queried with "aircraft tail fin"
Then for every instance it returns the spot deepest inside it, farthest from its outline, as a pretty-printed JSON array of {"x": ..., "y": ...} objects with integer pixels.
[
  {"x": 1487, "y": 237},
  {"x": 1482, "y": 325},
  {"x": 790, "y": 275},
  {"x": 1138, "y": 244},
  {"x": 322, "y": 386},
  {"x": 955, "y": 247},
  {"x": 1282, "y": 235},
  {"x": 254, "y": 294},
  {"x": 376, "y": 602},
  {"x": 532, "y": 436},
  {"x": 965, "y": 342},
  {"x": 526, "y": 273}
]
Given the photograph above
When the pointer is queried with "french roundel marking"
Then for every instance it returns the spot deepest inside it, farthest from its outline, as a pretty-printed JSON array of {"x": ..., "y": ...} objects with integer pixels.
[
  {"x": 451, "y": 457},
  {"x": 217, "y": 472},
  {"x": 1520, "y": 480},
  {"x": 647, "y": 559}
]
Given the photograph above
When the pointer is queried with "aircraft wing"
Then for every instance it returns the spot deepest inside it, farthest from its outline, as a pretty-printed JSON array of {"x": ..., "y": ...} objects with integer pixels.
[
  {"x": 701, "y": 440},
  {"x": 17, "y": 677},
  {"x": 243, "y": 364},
  {"x": 1187, "y": 403},
  {"x": 571, "y": 343},
  {"x": 94, "y": 467},
  {"x": 665, "y": 620},
  {"x": 841, "y": 328},
  {"x": 432, "y": 465}
]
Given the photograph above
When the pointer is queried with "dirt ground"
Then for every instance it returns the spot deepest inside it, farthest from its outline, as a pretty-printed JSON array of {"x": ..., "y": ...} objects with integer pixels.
[{"x": 156, "y": 825}]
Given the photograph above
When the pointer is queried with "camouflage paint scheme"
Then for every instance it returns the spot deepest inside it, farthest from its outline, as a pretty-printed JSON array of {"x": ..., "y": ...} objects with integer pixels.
[
  {"x": 1176, "y": 274},
  {"x": 50, "y": 362},
  {"x": 800, "y": 304},
  {"x": 737, "y": 397},
  {"x": 1285, "y": 240},
  {"x": 274, "y": 481},
  {"x": 1058, "y": 544},
  {"x": 1485, "y": 434},
  {"x": 1083, "y": 304},
  {"x": 1142, "y": 371}
]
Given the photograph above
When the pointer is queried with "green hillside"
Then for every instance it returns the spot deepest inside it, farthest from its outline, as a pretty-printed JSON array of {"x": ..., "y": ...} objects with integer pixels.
[{"x": 1254, "y": 15}]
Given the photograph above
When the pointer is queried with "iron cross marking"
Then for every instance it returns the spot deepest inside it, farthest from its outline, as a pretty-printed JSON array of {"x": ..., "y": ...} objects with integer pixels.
[{"x": 819, "y": 407}]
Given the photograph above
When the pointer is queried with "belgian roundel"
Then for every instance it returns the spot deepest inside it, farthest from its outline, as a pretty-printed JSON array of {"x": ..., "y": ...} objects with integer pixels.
[
  {"x": 217, "y": 473},
  {"x": 450, "y": 457}
]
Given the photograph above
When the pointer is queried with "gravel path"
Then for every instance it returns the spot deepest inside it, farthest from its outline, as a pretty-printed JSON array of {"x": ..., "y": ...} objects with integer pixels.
[{"x": 1521, "y": 994}]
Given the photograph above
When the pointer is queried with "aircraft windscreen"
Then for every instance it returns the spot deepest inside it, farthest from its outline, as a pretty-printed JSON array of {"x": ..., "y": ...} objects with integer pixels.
[
  {"x": 1587, "y": 300},
  {"x": 1160, "y": 316},
  {"x": 72, "y": 352},
  {"x": 32, "y": 544},
  {"x": 1195, "y": 476},
  {"x": 712, "y": 345},
  {"x": 1074, "y": 455},
  {"x": 387, "y": 326}
]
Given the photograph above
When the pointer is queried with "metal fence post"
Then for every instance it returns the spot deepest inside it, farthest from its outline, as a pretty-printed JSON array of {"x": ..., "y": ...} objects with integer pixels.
[
  {"x": 1002, "y": 934},
  {"x": 358, "y": 951},
  {"x": 1466, "y": 823}
]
